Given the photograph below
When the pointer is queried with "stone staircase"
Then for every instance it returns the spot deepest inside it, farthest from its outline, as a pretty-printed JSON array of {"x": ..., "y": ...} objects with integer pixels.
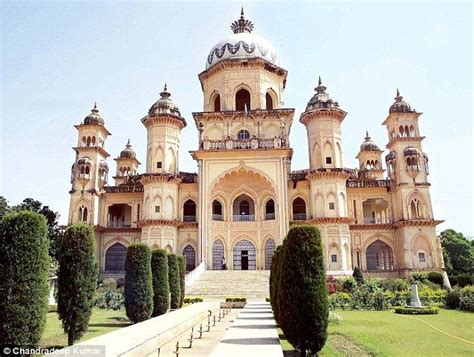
[{"x": 218, "y": 284}]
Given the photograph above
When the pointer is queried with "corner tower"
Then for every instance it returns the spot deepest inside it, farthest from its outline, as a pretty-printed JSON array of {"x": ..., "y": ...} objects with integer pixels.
[
  {"x": 90, "y": 170},
  {"x": 243, "y": 155}
]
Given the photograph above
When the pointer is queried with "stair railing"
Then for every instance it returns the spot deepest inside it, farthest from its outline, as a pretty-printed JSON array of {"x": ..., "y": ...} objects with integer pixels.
[{"x": 192, "y": 276}]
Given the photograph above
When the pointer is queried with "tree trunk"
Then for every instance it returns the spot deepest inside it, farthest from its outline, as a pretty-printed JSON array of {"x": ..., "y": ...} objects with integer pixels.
[
  {"x": 70, "y": 340},
  {"x": 303, "y": 350}
]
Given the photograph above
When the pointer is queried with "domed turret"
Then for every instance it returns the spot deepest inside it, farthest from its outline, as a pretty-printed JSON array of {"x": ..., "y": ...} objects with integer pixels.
[
  {"x": 164, "y": 105},
  {"x": 368, "y": 144},
  {"x": 94, "y": 117},
  {"x": 242, "y": 45},
  {"x": 400, "y": 106},
  {"x": 321, "y": 99},
  {"x": 128, "y": 152}
]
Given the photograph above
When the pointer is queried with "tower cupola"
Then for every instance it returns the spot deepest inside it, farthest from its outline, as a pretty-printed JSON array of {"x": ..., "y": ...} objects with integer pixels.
[
  {"x": 94, "y": 117},
  {"x": 400, "y": 106},
  {"x": 164, "y": 105},
  {"x": 127, "y": 164},
  {"x": 370, "y": 159}
]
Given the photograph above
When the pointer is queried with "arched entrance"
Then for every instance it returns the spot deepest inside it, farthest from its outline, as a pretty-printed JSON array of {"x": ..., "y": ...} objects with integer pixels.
[
  {"x": 190, "y": 255},
  {"x": 217, "y": 254},
  {"x": 269, "y": 249},
  {"x": 245, "y": 257},
  {"x": 115, "y": 257},
  {"x": 379, "y": 256}
]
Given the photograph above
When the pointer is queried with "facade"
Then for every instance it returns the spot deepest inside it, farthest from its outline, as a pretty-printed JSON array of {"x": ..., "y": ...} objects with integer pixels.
[{"x": 244, "y": 197}]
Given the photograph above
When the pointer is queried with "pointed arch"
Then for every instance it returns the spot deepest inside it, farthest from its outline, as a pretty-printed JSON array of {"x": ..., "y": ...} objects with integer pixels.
[
  {"x": 218, "y": 252},
  {"x": 189, "y": 254},
  {"x": 159, "y": 160},
  {"x": 316, "y": 155},
  {"x": 269, "y": 250},
  {"x": 328, "y": 154},
  {"x": 168, "y": 209},
  {"x": 115, "y": 257}
]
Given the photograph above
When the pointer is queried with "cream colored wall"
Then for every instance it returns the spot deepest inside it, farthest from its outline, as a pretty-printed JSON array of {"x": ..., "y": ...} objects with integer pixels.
[
  {"x": 163, "y": 143},
  {"x": 133, "y": 199}
]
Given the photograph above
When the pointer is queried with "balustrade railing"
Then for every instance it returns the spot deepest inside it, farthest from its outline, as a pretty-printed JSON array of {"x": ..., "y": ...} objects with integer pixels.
[
  {"x": 217, "y": 217},
  {"x": 269, "y": 216},
  {"x": 244, "y": 217},
  {"x": 244, "y": 144},
  {"x": 299, "y": 216},
  {"x": 189, "y": 218},
  {"x": 112, "y": 224},
  {"x": 377, "y": 220}
]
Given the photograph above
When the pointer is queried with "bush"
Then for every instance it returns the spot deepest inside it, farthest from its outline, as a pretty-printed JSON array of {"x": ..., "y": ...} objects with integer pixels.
[
  {"x": 267, "y": 299},
  {"x": 395, "y": 285},
  {"x": 435, "y": 278},
  {"x": 303, "y": 296},
  {"x": 419, "y": 277},
  {"x": 452, "y": 299},
  {"x": 77, "y": 279},
  {"x": 466, "y": 300},
  {"x": 235, "y": 299},
  {"x": 358, "y": 276},
  {"x": 161, "y": 287},
  {"x": 429, "y": 295},
  {"x": 109, "y": 283},
  {"x": 424, "y": 310},
  {"x": 182, "y": 278},
  {"x": 108, "y": 299},
  {"x": 192, "y": 300},
  {"x": 465, "y": 280},
  {"x": 24, "y": 288},
  {"x": 174, "y": 281},
  {"x": 348, "y": 284},
  {"x": 138, "y": 283},
  {"x": 275, "y": 280},
  {"x": 52, "y": 308},
  {"x": 340, "y": 301}
]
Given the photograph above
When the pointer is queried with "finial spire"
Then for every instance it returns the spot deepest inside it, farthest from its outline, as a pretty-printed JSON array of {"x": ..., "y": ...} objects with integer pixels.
[
  {"x": 166, "y": 87},
  {"x": 320, "y": 88},
  {"x": 319, "y": 81},
  {"x": 165, "y": 93},
  {"x": 242, "y": 25},
  {"x": 398, "y": 98},
  {"x": 95, "y": 110},
  {"x": 128, "y": 143}
]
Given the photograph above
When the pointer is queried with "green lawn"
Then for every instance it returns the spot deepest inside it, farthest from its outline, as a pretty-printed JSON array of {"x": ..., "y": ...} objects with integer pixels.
[
  {"x": 384, "y": 333},
  {"x": 102, "y": 321}
]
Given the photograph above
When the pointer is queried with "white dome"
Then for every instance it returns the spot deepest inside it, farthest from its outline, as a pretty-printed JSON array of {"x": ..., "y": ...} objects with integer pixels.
[{"x": 242, "y": 45}]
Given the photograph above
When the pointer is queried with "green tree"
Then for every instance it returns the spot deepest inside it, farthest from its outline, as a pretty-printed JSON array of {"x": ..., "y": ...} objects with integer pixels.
[
  {"x": 138, "y": 283},
  {"x": 161, "y": 287},
  {"x": 275, "y": 280},
  {"x": 175, "y": 286},
  {"x": 3, "y": 206},
  {"x": 458, "y": 251},
  {"x": 77, "y": 280},
  {"x": 182, "y": 278},
  {"x": 54, "y": 230},
  {"x": 303, "y": 299},
  {"x": 24, "y": 287}
]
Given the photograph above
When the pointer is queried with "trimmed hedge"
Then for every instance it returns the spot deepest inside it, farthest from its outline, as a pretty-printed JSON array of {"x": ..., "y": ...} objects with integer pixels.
[
  {"x": 275, "y": 272},
  {"x": 235, "y": 299},
  {"x": 182, "y": 278},
  {"x": 424, "y": 310},
  {"x": 174, "y": 281},
  {"x": 452, "y": 299},
  {"x": 466, "y": 299},
  {"x": 161, "y": 286},
  {"x": 77, "y": 279},
  {"x": 303, "y": 297},
  {"x": 192, "y": 300},
  {"x": 24, "y": 268},
  {"x": 138, "y": 283},
  {"x": 435, "y": 278}
]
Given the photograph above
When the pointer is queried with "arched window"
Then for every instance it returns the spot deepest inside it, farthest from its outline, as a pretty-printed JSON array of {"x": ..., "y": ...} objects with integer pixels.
[
  {"x": 244, "y": 208},
  {"x": 400, "y": 130},
  {"x": 243, "y": 134},
  {"x": 217, "y": 211},
  {"x": 82, "y": 214},
  {"x": 115, "y": 258},
  {"x": 217, "y": 255},
  {"x": 189, "y": 211},
  {"x": 242, "y": 100},
  {"x": 269, "y": 101},
  {"x": 379, "y": 256},
  {"x": 245, "y": 256},
  {"x": 217, "y": 103},
  {"x": 299, "y": 209},
  {"x": 88, "y": 141},
  {"x": 190, "y": 256},
  {"x": 269, "y": 249},
  {"x": 270, "y": 210},
  {"x": 417, "y": 209}
]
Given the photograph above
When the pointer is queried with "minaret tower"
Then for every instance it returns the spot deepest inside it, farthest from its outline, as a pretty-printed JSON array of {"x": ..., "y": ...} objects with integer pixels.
[
  {"x": 159, "y": 219},
  {"x": 90, "y": 170},
  {"x": 328, "y": 197},
  {"x": 127, "y": 164},
  {"x": 408, "y": 169},
  {"x": 370, "y": 160}
]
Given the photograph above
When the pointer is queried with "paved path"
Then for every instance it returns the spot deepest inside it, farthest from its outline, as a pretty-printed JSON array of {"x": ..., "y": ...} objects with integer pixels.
[{"x": 253, "y": 333}]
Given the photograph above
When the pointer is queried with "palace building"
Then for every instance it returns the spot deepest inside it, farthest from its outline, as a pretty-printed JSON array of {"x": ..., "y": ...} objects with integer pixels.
[{"x": 245, "y": 197}]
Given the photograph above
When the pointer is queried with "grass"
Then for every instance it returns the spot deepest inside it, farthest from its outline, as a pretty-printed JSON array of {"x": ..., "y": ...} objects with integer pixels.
[
  {"x": 384, "y": 333},
  {"x": 102, "y": 321}
]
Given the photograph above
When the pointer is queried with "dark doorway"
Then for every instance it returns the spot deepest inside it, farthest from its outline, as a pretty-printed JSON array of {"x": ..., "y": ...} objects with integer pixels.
[{"x": 245, "y": 259}]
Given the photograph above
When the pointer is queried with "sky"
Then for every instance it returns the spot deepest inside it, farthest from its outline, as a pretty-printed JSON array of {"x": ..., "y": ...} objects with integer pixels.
[{"x": 58, "y": 58}]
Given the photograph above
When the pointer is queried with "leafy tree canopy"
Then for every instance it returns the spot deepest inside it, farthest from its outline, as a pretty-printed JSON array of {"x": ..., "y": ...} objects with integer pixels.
[{"x": 457, "y": 251}]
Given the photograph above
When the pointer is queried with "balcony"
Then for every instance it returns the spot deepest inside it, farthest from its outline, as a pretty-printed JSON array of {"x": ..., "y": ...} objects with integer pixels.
[
  {"x": 299, "y": 216},
  {"x": 377, "y": 221},
  {"x": 244, "y": 217},
  {"x": 244, "y": 144},
  {"x": 269, "y": 216},
  {"x": 118, "y": 224},
  {"x": 189, "y": 218},
  {"x": 217, "y": 217}
]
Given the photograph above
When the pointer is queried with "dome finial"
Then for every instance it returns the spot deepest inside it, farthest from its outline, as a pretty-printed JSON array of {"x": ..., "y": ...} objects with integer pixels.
[
  {"x": 95, "y": 110},
  {"x": 165, "y": 93},
  {"x": 128, "y": 144},
  {"x": 241, "y": 25},
  {"x": 320, "y": 88},
  {"x": 398, "y": 98},
  {"x": 367, "y": 137},
  {"x": 319, "y": 81}
]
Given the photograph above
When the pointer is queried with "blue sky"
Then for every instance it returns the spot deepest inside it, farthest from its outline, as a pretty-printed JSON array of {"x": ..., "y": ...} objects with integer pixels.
[{"x": 58, "y": 58}]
